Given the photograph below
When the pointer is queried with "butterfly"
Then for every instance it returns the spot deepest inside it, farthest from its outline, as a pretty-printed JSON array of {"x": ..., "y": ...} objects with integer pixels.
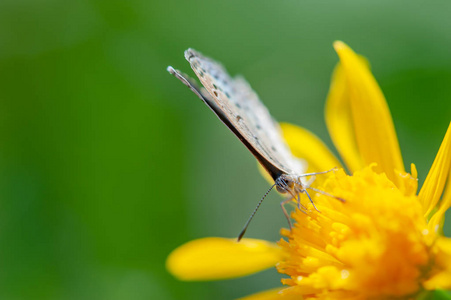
[{"x": 236, "y": 104}]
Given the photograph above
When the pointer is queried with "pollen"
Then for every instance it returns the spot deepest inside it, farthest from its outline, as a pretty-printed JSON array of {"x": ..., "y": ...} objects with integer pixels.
[{"x": 375, "y": 245}]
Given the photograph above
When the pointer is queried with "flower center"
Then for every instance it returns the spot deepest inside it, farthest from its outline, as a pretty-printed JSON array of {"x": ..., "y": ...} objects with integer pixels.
[{"x": 375, "y": 245}]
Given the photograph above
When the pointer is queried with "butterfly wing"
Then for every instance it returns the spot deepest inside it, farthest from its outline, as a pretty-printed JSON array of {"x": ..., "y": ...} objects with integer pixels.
[{"x": 239, "y": 108}]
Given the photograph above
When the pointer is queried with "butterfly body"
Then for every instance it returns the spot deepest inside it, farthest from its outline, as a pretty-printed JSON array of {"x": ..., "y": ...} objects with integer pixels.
[
  {"x": 240, "y": 109},
  {"x": 236, "y": 104}
]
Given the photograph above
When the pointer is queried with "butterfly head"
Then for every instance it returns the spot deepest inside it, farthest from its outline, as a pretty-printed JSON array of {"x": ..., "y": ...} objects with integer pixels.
[{"x": 286, "y": 183}]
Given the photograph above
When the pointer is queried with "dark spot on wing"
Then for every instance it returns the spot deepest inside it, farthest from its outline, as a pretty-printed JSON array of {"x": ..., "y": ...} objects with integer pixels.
[
  {"x": 237, "y": 104},
  {"x": 258, "y": 127},
  {"x": 273, "y": 148},
  {"x": 201, "y": 74},
  {"x": 216, "y": 93},
  {"x": 238, "y": 118},
  {"x": 214, "y": 85},
  {"x": 227, "y": 95}
]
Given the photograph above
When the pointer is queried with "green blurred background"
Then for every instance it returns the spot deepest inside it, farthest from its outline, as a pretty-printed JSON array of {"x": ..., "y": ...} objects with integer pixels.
[{"x": 107, "y": 163}]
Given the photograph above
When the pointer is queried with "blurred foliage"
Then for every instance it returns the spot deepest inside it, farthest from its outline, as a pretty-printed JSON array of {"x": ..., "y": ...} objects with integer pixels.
[{"x": 107, "y": 163}]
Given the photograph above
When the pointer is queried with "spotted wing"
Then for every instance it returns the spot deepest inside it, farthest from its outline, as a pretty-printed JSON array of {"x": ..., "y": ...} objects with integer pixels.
[{"x": 238, "y": 106}]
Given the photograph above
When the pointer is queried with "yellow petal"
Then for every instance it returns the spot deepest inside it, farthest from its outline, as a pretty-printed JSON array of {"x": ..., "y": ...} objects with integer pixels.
[
  {"x": 273, "y": 294},
  {"x": 435, "y": 181},
  {"x": 219, "y": 258},
  {"x": 441, "y": 278},
  {"x": 437, "y": 219},
  {"x": 339, "y": 121},
  {"x": 409, "y": 181},
  {"x": 306, "y": 145},
  {"x": 436, "y": 222},
  {"x": 373, "y": 127}
]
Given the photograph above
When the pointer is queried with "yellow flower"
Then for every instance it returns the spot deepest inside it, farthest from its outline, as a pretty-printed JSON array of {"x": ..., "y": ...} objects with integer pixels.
[{"x": 384, "y": 242}]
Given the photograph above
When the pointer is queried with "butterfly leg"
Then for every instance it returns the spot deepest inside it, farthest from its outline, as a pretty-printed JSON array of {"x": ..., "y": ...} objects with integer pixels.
[
  {"x": 326, "y": 194},
  {"x": 317, "y": 173},
  {"x": 301, "y": 207},
  {"x": 282, "y": 204},
  {"x": 295, "y": 196},
  {"x": 312, "y": 178},
  {"x": 305, "y": 191},
  {"x": 308, "y": 182}
]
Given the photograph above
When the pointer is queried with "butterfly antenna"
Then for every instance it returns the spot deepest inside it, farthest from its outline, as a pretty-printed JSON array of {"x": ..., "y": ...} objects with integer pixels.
[{"x": 253, "y": 213}]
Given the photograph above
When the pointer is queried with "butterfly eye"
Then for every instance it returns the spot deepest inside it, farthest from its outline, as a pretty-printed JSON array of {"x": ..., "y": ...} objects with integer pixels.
[
  {"x": 283, "y": 185},
  {"x": 281, "y": 190}
]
